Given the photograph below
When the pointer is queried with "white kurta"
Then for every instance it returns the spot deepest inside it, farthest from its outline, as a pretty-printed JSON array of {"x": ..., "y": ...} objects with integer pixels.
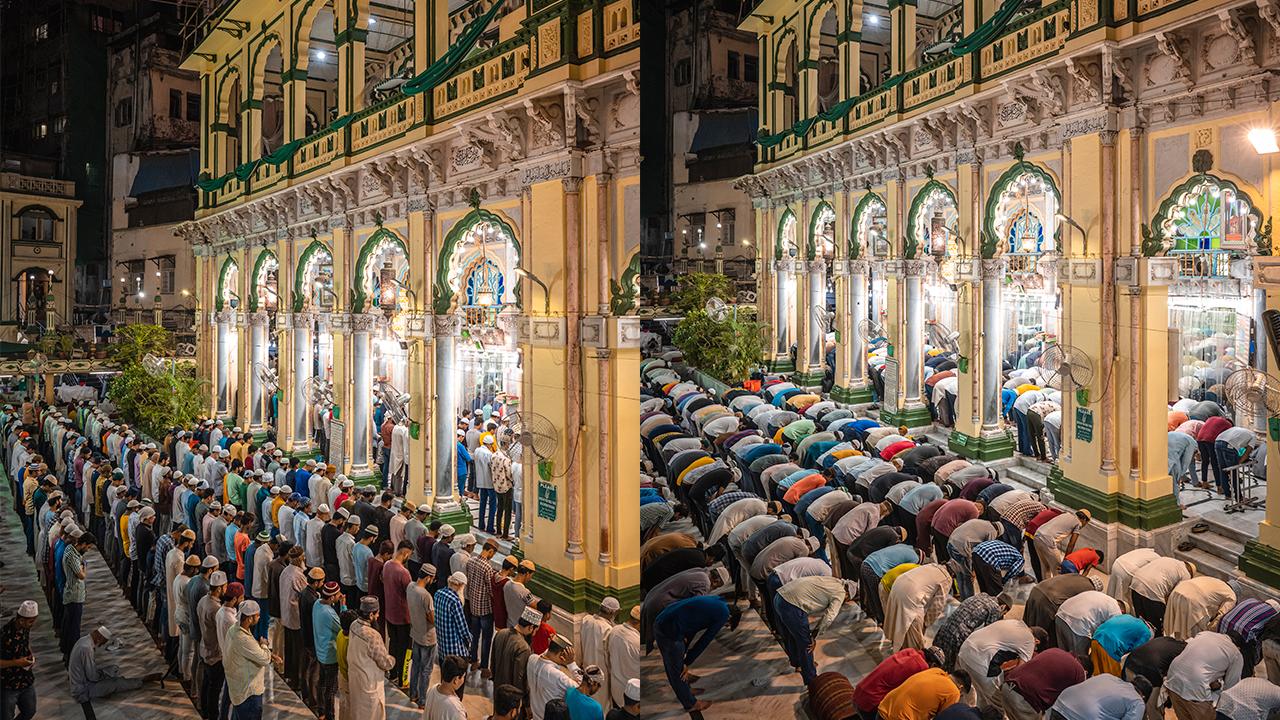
[
  {"x": 1197, "y": 604},
  {"x": 1123, "y": 568},
  {"x": 624, "y": 660},
  {"x": 172, "y": 568},
  {"x": 367, "y": 666},
  {"x": 593, "y": 644},
  {"x": 918, "y": 595}
]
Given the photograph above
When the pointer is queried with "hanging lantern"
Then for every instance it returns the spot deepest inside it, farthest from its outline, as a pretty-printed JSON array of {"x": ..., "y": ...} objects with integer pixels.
[{"x": 388, "y": 289}]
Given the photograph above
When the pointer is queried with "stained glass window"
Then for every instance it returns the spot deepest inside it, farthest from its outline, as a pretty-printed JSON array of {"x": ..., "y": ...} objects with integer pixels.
[
  {"x": 1026, "y": 233},
  {"x": 1207, "y": 217},
  {"x": 484, "y": 274}
]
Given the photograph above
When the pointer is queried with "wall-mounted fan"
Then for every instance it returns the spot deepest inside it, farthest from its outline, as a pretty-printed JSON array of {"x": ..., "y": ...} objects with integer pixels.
[
  {"x": 318, "y": 392},
  {"x": 1069, "y": 368},
  {"x": 526, "y": 429},
  {"x": 267, "y": 376},
  {"x": 943, "y": 337},
  {"x": 1253, "y": 393}
]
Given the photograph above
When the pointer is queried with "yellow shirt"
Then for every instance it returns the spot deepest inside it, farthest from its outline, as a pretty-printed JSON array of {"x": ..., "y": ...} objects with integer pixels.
[
  {"x": 696, "y": 463},
  {"x": 1026, "y": 388},
  {"x": 275, "y": 509},
  {"x": 238, "y": 450},
  {"x": 124, "y": 532},
  {"x": 920, "y": 696},
  {"x": 340, "y": 645},
  {"x": 892, "y": 576},
  {"x": 842, "y": 454}
]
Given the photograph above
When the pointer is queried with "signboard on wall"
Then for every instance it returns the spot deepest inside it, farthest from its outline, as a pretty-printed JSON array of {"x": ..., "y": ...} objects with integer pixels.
[
  {"x": 547, "y": 501},
  {"x": 890, "y": 400},
  {"x": 335, "y": 453},
  {"x": 1084, "y": 424}
]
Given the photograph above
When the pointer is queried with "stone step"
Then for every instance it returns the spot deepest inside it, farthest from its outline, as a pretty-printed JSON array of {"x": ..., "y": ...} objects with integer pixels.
[
  {"x": 1229, "y": 526},
  {"x": 1209, "y": 564},
  {"x": 1226, "y": 548},
  {"x": 1024, "y": 475}
]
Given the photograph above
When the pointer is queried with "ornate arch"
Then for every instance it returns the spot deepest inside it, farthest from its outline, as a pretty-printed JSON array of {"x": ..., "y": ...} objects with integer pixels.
[
  {"x": 810, "y": 246},
  {"x": 818, "y": 13},
  {"x": 912, "y": 249},
  {"x": 222, "y": 103},
  {"x": 990, "y": 241},
  {"x": 36, "y": 206},
  {"x": 371, "y": 245},
  {"x": 299, "y": 275},
  {"x": 258, "y": 64},
  {"x": 779, "y": 54},
  {"x": 257, "y": 268},
  {"x": 227, "y": 266},
  {"x": 299, "y": 58},
  {"x": 782, "y": 223},
  {"x": 863, "y": 206},
  {"x": 442, "y": 293},
  {"x": 1154, "y": 240}
]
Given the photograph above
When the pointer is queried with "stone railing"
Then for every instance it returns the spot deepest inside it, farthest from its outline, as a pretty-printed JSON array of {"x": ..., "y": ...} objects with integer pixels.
[
  {"x": 37, "y": 186},
  {"x": 317, "y": 151},
  {"x": 474, "y": 85},
  {"x": 1033, "y": 37},
  {"x": 935, "y": 80},
  {"x": 388, "y": 119}
]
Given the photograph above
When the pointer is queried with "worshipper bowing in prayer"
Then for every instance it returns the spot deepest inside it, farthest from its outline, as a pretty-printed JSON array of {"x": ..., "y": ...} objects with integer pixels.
[
  {"x": 1030, "y": 689},
  {"x": 1114, "y": 639},
  {"x": 1196, "y": 604},
  {"x": 1151, "y": 586},
  {"x": 973, "y": 613},
  {"x": 682, "y": 632},
  {"x": 1250, "y": 699},
  {"x": 924, "y": 695},
  {"x": 1151, "y": 660},
  {"x": 916, "y": 600},
  {"x": 92, "y": 680},
  {"x": 793, "y": 605},
  {"x": 995, "y": 648},
  {"x": 1209, "y": 664},
  {"x": 889, "y": 674},
  {"x": 1057, "y": 538},
  {"x": 1102, "y": 697},
  {"x": 1079, "y": 616}
]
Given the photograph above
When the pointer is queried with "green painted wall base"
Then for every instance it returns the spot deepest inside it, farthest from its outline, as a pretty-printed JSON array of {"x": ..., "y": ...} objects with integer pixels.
[
  {"x": 782, "y": 366},
  {"x": 460, "y": 519},
  {"x": 578, "y": 596},
  {"x": 1261, "y": 562},
  {"x": 1115, "y": 507},
  {"x": 372, "y": 476},
  {"x": 910, "y": 417},
  {"x": 259, "y": 437},
  {"x": 809, "y": 379},
  {"x": 986, "y": 449},
  {"x": 853, "y": 396}
]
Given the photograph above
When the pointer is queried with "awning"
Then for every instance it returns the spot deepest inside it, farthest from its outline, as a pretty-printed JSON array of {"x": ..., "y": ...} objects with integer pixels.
[
  {"x": 166, "y": 172},
  {"x": 721, "y": 129}
]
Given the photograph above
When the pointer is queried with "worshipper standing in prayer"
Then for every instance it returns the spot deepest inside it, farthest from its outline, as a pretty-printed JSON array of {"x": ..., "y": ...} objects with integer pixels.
[
  {"x": 367, "y": 664},
  {"x": 624, "y": 656},
  {"x": 511, "y": 651},
  {"x": 293, "y": 580},
  {"x": 550, "y": 675},
  {"x": 422, "y": 628},
  {"x": 325, "y": 626},
  {"x": 396, "y": 582},
  {"x": 453, "y": 637},
  {"x": 515, "y": 594},
  {"x": 579, "y": 699},
  {"x": 17, "y": 680},
  {"x": 593, "y": 643},
  {"x": 212, "y": 676},
  {"x": 479, "y": 607},
  {"x": 73, "y": 568},
  {"x": 246, "y": 660}
]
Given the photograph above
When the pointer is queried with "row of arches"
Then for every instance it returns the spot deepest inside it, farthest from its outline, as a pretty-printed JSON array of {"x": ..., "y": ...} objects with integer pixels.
[
  {"x": 326, "y": 86},
  {"x": 1205, "y": 222}
]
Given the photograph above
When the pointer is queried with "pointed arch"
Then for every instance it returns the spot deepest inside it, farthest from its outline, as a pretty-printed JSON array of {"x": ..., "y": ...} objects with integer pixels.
[
  {"x": 224, "y": 108},
  {"x": 1172, "y": 201},
  {"x": 299, "y": 274},
  {"x": 257, "y": 268},
  {"x": 990, "y": 242},
  {"x": 862, "y": 208},
  {"x": 912, "y": 249},
  {"x": 782, "y": 223},
  {"x": 258, "y": 65},
  {"x": 371, "y": 245},
  {"x": 811, "y": 246},
  {"x": 228, "y": 266},
  {"x": 442, "y": 294}
]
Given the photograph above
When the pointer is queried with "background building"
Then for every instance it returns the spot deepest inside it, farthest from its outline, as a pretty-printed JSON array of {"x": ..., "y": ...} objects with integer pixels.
[
  {"x": 153, "y": 141},
  {"x": 702, "y": 122},
  {"x": 53, "y": 73},
  {"x": 37, "y": 253}
]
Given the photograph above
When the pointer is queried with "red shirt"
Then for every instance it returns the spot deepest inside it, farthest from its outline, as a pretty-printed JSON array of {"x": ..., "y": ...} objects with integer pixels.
[
  {"x": 952, "y": 515},
  {"x": 375, "y": 579},
  {"x": 896, "y": 448},
  {"x": 541, "y": 639},
  {"x": 923, "y": 520},
  {"x": 1041, "y": 518},
  {"x": 889, "y": 674},
  {"x": 499, "y": 606},
  {"x": 1212, "y": 428},
  {"x": 395, "y": 584},
  {"x": 1083, "y": 559},
  {"x": 802, "y": 486}
]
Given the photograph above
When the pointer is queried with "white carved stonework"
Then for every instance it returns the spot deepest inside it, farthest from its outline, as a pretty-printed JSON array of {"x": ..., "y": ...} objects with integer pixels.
[
  {"x": 784, "y": 266},
  {"x": 626, "y": 334},
  {"x": 258, "y": 319},
  {"x": 1126, "y": 270},
  {"x": 592, "y": 330},
  {"x": 994, "y": 269},
  {"x": 916, "y": 268},
  {"x": 1080, "y": 272},
  {"x": 1010, "y": 114},
  {"x": 1266, "y": 273},
  {"x": 466, "y": 157},
  {"x": 226, "y": 316},
  {"x": 859, "y": 268},
  {"x": 545, "y": 332},
  {"x": 967, "y": 269},
  {"x": 304, "y": 319},
  {"x": 446, "y": 325},
  {"x": 364, "y": 322},
  {"x": 817, "y": 267},
  {"x": 1160, "y": 271},
  {"x": 840, "y": 268},
  {"x": 1219, "y": 51}
]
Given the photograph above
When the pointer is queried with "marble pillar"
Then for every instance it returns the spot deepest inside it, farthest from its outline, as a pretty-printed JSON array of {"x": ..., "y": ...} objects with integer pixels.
[
  {"x": 362, "y": 389},
  {"x": 303, "y": 327},
  {"x": 446, "y": 329},
  {"x": 258, "y": 345}
]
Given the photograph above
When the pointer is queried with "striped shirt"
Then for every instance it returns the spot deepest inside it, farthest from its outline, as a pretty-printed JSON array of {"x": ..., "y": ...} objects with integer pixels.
[
  {"x": 1247, "y": 618},
  {"x": 1021, "y": 512},
  {"x": 1001, "y": 556},
  {"x": 717, "y": 506},
  {"x": 452, "y": 634}
]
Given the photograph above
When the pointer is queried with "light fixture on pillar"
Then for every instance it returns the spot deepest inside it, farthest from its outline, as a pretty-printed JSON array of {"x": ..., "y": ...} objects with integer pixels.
[
  {"x": 388, "y": 289},
  {"x": 1263, "y": 140},
  {"x": 1070, "y": 221}
]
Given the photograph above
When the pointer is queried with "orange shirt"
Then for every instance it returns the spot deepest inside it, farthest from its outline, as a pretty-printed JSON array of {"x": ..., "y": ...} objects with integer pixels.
[
  {"x": 1083, "y": 559},
  {"x": 802, "y": 486},
  {"x": 241, "y": 542},
  {"x": 920, "y": 696}
]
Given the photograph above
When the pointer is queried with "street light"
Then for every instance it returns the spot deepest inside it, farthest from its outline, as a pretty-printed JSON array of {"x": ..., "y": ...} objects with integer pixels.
[
  {"x": 546, "y": 292},
  {"x": 1065, "y": 219},
  {"x": 1264, "y": 140}
]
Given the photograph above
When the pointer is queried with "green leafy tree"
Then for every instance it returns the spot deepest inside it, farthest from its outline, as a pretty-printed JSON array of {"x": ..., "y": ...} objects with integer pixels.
[
  {"x": 154, "y": 402},
  {"x": 726, "y": 350},
  {"x": 695, "y": 289}
]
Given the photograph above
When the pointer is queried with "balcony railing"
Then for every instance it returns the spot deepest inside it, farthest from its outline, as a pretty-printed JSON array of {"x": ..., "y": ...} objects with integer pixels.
[
  {"x": 477, "y": 83},
  {"x": 388, "y": 119},
  {"x": 1030, "y": 38}
]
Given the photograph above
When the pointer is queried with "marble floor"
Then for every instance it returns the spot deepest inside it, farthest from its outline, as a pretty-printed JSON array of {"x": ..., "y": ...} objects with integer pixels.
[{"x": 137, "y": 654}]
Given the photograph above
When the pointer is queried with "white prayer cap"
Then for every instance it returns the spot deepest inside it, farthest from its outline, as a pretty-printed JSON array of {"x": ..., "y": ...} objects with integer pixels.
[
  {"x": 217, "y": 578},
  {"x": 249, "y": 608},
  {"x": 237, "y": 429},
  {"x": 103, "y": 632},
  {"x": 146, "y": 512},
  {"x": 323, "y": 509},
  {"x": 488, "y": 440},
  {"x": 458, "y": 578},
  {"x": 610, "y": 605},
  {"x": 28, "y": 609},
  {"x": 632, "y": 692},
  {"x": 286, "y": 490}
]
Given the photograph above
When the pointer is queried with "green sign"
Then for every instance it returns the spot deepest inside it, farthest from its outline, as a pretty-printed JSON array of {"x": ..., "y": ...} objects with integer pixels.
[
  {"x": 1273, "y": 426},
  {"x": 960, "y": 439},
  {"x": 1084, "y": 424},
  {"x": 547, "y": 501}
]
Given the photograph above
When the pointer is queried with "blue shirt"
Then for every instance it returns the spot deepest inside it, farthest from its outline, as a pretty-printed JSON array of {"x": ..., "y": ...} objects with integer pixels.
[
  {"x": 1121, "y": 634},
  {"x": 360, "y": 554},
  {"x": 300, "y": 520},
  {"x": 59, "y": 575},
  {"x": 249, "y": 552},
  {"x": 452, "y": 635},
  {"x": 886, "y": 559},
  {"x": 686, "y": 617},
  {"x": 229, "y": 540},
  {"x": 582, "y": 707},
  {"x": 325, "y": 626},
  {"x": 1001, "y": 556},
  {"x": 464, "y": 457},
  {"x": 303, "y": 480},
  {"x": 913, "y": 501}
]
